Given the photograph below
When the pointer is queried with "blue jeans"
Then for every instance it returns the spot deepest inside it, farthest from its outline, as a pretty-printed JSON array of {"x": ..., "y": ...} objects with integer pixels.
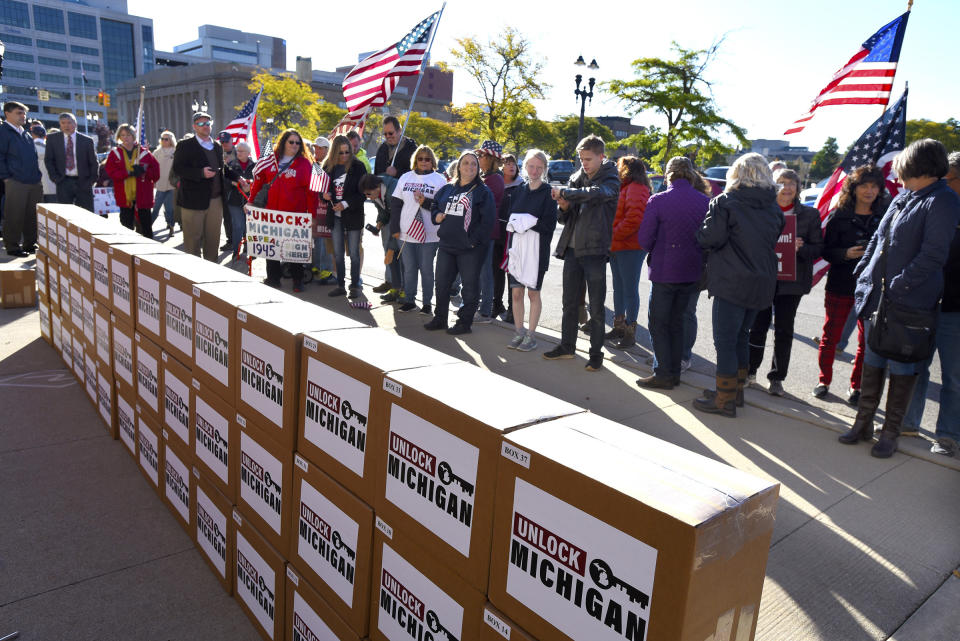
[
  {"x": 668, "y": 304},
  {"x": 163, "y": 199},
  {"x": 392, "y": 273},
  {"x": 343, "y": 241},
  {"x": 626, "y": 266},
  {"x": 731, "y": 336},
  {"x": 467, "y": 265},
  {"x": 238, "y": 220},
  {"x": 322, "y": 259},
  {"x": 418, "y": 259},
  {"x": 948, "y": 346},
  {"x": 871, "y": 358},
  {"x": 486, "y": 281},
  {"x": 593, "y": 270},
  {"x": 689, "y": 325}
]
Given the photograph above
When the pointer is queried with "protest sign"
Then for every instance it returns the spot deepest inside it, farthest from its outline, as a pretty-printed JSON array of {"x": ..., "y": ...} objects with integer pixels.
[
  {"x": 787, "y": 249},
  {"x": 104, "y": 201},
  {"x": 279, "y": 235}
]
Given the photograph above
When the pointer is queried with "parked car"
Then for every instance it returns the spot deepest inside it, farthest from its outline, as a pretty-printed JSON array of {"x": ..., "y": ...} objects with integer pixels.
[
  {"x": 810, "y": 195},
  {"x": 717, "y": 177},
  {"x": 559, "y": 170},
  {"x": 656, "y": 183}
]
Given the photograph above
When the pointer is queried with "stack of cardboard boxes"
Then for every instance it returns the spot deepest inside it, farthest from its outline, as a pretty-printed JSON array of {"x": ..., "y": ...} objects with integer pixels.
[{"x": 345, "y": 483}]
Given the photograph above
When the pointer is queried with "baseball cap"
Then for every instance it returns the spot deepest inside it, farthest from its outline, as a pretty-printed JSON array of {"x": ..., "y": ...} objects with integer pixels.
[
  {"x": 38, "y": 130},
  {"x": 321, "y": 142},
  {"x": 224, "y": 136}
]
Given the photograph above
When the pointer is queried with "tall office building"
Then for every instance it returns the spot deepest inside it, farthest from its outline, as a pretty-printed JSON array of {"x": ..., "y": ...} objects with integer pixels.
[
  {"x": 232, "y": 45},
  {"x": 47, "y": 42}
]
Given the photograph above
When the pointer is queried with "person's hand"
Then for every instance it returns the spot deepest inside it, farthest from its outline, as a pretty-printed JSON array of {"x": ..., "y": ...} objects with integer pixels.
[
  {"x": 440, "y": 218},
  {"x": 379, "y": 226},
  {"x": 799, "y": 242},
  {"x": 397, "y": 235},
  {"x": 562, "y": 203},
  {"x": 855, "y": 252},
  {"x": 327, "y": 196},
  {"x": 392, "y": 171},
  {"x": 138, "y": 170},
  {"x": 338, "y": 207},
  {"x": 208, "y": 172},
  {"x": 555, "y": 193},
  {"x": 418, "y": 196}
]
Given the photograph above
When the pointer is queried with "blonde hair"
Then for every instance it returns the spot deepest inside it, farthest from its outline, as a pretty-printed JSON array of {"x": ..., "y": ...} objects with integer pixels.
[
  {"x": 333, "y": 153},
  {"x": 750, "y": 170},
  {"x": 540, "y": 155}
]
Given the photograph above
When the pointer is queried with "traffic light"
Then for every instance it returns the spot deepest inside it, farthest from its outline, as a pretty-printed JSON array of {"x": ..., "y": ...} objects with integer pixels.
[
  {"x": 106, "y": 100},
  {"x": 100, "y": 95}
]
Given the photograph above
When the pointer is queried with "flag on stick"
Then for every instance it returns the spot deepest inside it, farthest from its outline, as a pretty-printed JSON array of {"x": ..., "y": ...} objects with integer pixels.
[
  {"x": 244, "y": 125},
  {"x": 867, "y": 78},
  {"x": 319, "y": 180},
  {"x": 141, "y": 130},
  {"x": 268, "y": 161},
  {"x": 878, "y": 145},
  {"x": 417, "y": 231}
]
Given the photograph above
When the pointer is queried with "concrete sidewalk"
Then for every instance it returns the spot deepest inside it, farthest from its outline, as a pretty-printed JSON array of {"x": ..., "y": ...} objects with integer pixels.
[{"x": 862, "y": 549}]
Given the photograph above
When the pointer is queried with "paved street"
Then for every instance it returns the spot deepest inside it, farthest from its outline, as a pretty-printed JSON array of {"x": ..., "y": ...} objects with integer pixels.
[{"x": 862, "y": 548}]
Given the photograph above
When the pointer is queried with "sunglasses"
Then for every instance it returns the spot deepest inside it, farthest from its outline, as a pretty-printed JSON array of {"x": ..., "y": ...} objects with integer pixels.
[
  {"x": 294, "y": 142},
  {"x": 204, "y": 123},
  {"x": 344, "y": 153},
  {"x": 424, "y": 159}
]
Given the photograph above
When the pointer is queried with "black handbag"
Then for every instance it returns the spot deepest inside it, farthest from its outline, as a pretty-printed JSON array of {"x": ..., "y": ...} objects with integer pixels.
[{"x": 898, "y": 332}]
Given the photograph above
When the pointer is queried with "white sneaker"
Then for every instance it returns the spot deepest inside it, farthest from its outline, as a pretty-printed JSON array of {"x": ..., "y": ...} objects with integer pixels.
[
  {"x": 515, "y": 341},
  {"x": 685, "y": 365}
]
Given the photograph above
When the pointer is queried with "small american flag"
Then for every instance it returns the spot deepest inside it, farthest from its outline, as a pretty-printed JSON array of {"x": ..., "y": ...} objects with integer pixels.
[
  {"x": 269, "y": 161},
  {"x": 244, "y": 124},
  {"x": 878, "y": 145},
  {"x": 417, "y": 231},
  {"x": 373, "y": 80},
  {"x": 319, "y": 180},
  {"x": 867, "y": 78}
]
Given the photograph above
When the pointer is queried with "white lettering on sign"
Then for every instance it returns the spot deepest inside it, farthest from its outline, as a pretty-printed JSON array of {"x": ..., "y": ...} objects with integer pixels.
[
  {"x": 393, "y": 387},
  {"x": 335, "y": 417},
  {"x": 211, "y": 530},
  {"x": 587, "y": 578},
  {"x": 327, "y": 540},
  {"x": 515, "y": 454},
  {"x": 496, "y": 623},
  {"x": 432, "y": 476}
]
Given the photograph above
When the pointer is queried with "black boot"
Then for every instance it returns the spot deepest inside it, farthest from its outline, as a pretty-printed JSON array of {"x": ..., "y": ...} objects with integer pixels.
[
  {"x": 899, "y": 394},
  {"x": 871, "y": 389}
]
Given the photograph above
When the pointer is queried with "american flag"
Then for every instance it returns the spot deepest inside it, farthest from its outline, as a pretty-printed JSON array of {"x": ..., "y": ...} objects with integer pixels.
[
  {"x": 417, "y": 231},
  {"x": 319, "y": 180},
  {"x": 268, "y": 161},
  {"x": 244, "y": 125},
  {"x": 867, "y": 78},
  {"x": 878, "y": 145},
  {"x": 141, "y": 130},
  {"x": 373, "y": 80}
]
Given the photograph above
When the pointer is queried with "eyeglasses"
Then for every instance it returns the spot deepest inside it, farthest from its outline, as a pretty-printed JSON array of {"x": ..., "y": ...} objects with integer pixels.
[
  {"x": 389, "y": 133},
  {"x": 343, "y": 153},
  {"x": 204, "y": 123},
  {"x": 294, "y": 142}
]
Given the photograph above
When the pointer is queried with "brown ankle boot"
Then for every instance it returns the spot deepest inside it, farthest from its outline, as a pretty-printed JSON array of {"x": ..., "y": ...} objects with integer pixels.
[
  {"x": 871, "y": 389},
  {"x": 899, "y": 394},
  {"x": 723, "y": 402},
  {"x": 629, "y": 336},
  {"x": 617, "y": 332}
]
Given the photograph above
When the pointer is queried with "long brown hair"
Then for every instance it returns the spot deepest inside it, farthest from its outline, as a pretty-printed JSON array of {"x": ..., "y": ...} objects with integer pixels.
[
  {"x": 681, "y": 167},
  {"x": 632, "y": 170},
  {"x": 860, "y": 175},
  {"x": 331, "y": 160},
  {"x": 281, "y": 144}
]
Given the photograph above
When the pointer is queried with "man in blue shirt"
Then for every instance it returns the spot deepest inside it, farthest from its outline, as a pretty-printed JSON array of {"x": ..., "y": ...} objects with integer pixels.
[{"x": 20, "y": 172}]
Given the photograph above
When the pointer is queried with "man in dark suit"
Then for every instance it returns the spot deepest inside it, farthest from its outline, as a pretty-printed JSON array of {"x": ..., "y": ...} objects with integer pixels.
[{"x": 71, "y": 162}]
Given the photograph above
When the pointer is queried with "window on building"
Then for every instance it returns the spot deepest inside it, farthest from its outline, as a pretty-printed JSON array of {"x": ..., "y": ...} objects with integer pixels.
[
  {"x": 82, "y": 25},
  {"x": 87, "y": 66},
  {"x": 10, "y": 39},
  {"x": 52, "y": 62},
  {"x": 89, "y": 51},
  {"x": 227, "y": 53},
  {"x": 19, "y": 73},
  {"x": 14, "y": 14},
  {"x": 47, "y": 19},
  {"x": 148, "y": 57},
  {"x": 119, "y": 61},
  {"x": 19, "y": 91},
  {"x": 55, "y": 77},
  {"x": 48, "y": 44},
  {"x": 17, "y": 57}
]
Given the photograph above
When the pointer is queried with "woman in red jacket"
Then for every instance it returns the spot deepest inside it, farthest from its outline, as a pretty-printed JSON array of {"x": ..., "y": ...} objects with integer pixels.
[
  {"x": 626, "y": 255},
  {"x": 134, "y": 172},
  {"x": 290, "y": 191}
]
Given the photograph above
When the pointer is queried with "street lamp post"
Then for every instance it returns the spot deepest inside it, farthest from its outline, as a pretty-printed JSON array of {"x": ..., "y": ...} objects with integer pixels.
[{"x": 585, "y": 93}]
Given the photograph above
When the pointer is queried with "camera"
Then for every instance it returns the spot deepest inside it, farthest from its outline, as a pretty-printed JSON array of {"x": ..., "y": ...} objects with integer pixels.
[{"x": 372, "y": 229}]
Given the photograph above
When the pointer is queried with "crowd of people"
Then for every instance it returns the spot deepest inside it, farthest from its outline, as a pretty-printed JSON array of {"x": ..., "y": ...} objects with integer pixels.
[{"x": 486, "y": 226}]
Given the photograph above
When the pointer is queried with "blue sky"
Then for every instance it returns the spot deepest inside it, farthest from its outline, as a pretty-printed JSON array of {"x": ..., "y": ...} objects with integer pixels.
[{"x": 775, "y": 59}]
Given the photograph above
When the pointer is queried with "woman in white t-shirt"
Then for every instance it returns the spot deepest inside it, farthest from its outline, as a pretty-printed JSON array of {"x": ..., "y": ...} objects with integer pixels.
[{"x": 414, "y": 229}]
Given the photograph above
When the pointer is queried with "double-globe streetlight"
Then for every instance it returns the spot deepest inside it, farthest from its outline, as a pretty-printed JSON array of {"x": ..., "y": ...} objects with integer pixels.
[{"x": 586, "y": 92}]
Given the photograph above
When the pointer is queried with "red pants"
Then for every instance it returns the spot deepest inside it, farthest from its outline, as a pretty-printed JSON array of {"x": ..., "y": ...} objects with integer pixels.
[{"x": 837, "y": 310}]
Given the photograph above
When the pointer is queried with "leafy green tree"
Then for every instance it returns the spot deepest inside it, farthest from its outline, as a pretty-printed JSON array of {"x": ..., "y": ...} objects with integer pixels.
[
  {"x": 946, "y": 132},
  {"x": 507, "y": 78},
  {"x": 445, "y": 138},
  {"x": 291, "y": 103},
  {"x": 567, "y": 128},
  {"x": 825, "y": 160},
  {"x": 679, "y": 91}
]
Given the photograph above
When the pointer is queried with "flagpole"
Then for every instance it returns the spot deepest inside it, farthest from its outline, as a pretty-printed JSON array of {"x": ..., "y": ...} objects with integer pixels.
[
  {"x": 140, "y": 113},
  {"x": 406, "y": 119},
  {"x": 83, "y": 93}
]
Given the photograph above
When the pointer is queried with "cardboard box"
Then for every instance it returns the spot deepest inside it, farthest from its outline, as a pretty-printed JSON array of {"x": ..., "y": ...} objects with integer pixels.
[
  {"x": 213, "y": 530},
  {"x": 215, "y": 438},
  {"x": 438, "y": 459},
  {"x": 149, "y": 455},
  {"x": 63, "y": 249},
  {"x": 343, "y": 403},
  {"x": 90, "y": 376},
  {"x": 123, "y": 295},
  {"x": 497, "y": 627},
  {"x": 170, "y": 278},
  {"x": 79, "y": 355},
  {"x": 103, "y": 335},
  {"x": 80, "y": 233},
  {"x": 416, "y": 596},
  {"x": 76, "y": 304},
  {"x": 66, "y": 343},
  {"x": 259, "y": 584},
  {"x": 126, "y": 400},
  {"x": 44, "y": 308},
  {"x": 124, "y": 368},
  {"x": 264, "y": 473},
  {"x": 602, "y": 532},
  {"x": 309, "y": 616},
  {"x": 268, "y": 376},
  {"x": 42, "y": 235},
  {"x": 53, "y": 285},
  {"x": 215, "y": 355},
  {"x": 88, "y": 307},
  {"x": 332, "y": 543},
  {"x": 43, "y": 289},
  {"x": 66, "y": 306},
  {"x": 177, "y": 399},
  {"x": 100, "y": 262},
  {"x": 18, "y": 286},
  {"x": 179, "y": 487},
  {"x": 56, "y": 331},
  {"x": 146, "y": 361},
  {"x": 107, "y": 400}
]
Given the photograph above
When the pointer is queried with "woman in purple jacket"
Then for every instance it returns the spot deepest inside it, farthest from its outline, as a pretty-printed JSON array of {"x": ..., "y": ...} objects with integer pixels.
[{"x": 668, "y": 232}]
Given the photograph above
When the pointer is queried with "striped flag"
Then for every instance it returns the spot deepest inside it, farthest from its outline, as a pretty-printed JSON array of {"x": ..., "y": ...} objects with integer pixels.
[
  {"x": 319, "y": 180},
  {"x": 878, "y": 145},
  {"x": 141, "y": 130},
  {"x": 244, "y": 125},
  {"x": 867, "y": 78},
  {"x": 417, "y": 231},
  {"x": 372, "y": 81},
  {"x": 268, "y": 161}
]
